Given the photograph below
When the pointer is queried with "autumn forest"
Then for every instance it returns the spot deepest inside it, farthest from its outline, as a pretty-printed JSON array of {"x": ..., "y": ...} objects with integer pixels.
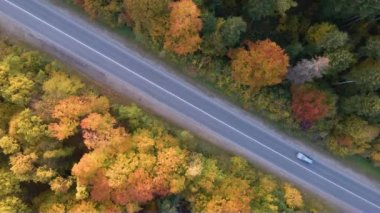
[
  {"x": 66, "y": 147},
  {"x": 311, "y": 68}
]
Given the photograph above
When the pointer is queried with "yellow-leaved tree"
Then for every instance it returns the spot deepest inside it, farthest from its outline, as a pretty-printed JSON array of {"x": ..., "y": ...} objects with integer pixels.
[
  {"x": 293, "y": 197},
  {"x": 149, "y": 16}
]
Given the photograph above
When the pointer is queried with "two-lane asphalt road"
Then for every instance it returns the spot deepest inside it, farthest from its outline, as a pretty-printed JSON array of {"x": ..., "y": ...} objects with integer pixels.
[{"x": 181, "y": 97}]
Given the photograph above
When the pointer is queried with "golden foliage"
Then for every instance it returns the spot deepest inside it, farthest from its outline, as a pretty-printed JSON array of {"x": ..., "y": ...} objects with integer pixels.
[
  {"x": 23, "y": 165},
  {"x": 60, "y": 184},
  {"x": 149, "y": 15},
  {"x": 183, "y": 35},
  {"x": 233, "y": 195},
  {"x": 88, "y": 165},
  {"x": 99, "y": 131},
  {"x": 293, "y": 197},
  {"x": 84, "y": 207},
  {"x": 260, "y": 64},
  {"x": 69, "y": 110}
]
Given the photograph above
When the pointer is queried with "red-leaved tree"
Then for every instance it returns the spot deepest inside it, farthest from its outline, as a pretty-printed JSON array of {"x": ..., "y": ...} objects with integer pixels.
[{"x": 309, "y": 104}]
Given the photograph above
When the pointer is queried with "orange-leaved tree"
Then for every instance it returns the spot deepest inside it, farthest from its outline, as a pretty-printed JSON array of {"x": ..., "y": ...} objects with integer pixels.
[
  {"x": 68, "y": 112},
  {"x": 99, "y": 131},
  {"x": 259, "y": 64},
  {"x": 185, "y": 24},
  {"x": 154, "y": 167}
]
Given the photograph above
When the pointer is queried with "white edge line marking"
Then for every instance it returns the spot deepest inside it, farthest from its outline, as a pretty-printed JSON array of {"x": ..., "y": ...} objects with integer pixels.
[
  {"x": 163, "y": 89},
  {"x": 137, "y": 56},
  {"x": 151, "y": 64}
]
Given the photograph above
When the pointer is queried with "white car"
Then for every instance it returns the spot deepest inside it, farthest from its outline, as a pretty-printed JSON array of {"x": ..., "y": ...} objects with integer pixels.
[{"x": 304, "y": 158}]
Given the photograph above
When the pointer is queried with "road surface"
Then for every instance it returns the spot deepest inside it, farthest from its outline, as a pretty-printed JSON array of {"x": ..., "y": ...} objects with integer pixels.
[{"x": 189, "y": 101}]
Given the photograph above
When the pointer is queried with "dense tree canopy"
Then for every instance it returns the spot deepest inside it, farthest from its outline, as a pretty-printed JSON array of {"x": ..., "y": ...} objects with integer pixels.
[
  {"x": 293, "y": 197},
  {"x": 84, "y": 154},
  {"x": 27, "y": 128},
  {"x": 310, "y": 104},
  {"x": 50, "y": 121},
  {"x": 184, "y": 27},
  {"x": 231, "y": 31},
  {"x": 326, "y": 36},
  {"x": 372, "y": 48},
  {"x": 151, "y": 16},
  {"x": 308, "y": 70},
  {"x": 339, "y": 60},
  {"x": 60, "y": 85},
  {"x": 109, "y": 10},
  {"x": 327, "y": 50},
  {"x": 367, "y": 106},
  {"x": 344, "y": 9},
  {"x": 352, "y": 136},
  {"x": 260, "y": 64},
  {"x": 366, "y": 75},
  {"x": 256, "y": 9},
  {"x": 68, "y": 112},
  {"x": 221, "y": 34}
]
